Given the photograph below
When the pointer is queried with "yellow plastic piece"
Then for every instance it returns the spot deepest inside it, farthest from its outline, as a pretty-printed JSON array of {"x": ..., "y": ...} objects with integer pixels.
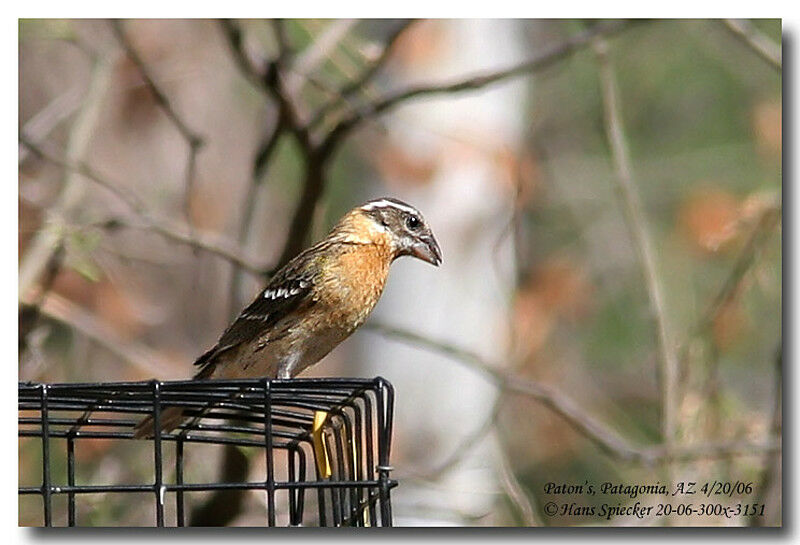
[{"x": 320, "y": 452}]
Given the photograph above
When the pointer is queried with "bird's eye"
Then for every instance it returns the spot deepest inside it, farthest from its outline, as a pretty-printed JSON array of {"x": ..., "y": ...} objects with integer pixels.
[{"x": 413, "y": 223}]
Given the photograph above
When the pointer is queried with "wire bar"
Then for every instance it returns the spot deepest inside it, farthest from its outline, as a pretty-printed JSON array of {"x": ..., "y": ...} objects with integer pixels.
[{"x": 275, "y": 418}]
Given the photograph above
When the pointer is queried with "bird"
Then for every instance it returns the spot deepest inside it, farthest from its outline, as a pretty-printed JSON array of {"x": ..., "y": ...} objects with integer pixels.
[{"x": 316, "y": 300}]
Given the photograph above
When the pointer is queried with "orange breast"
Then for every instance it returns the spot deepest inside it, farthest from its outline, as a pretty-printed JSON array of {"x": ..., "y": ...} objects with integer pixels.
[{"x": 353, "y": 283}]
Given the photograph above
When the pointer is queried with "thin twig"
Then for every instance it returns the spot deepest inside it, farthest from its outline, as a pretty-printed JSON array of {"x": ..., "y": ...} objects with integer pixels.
[
  {"x": 161, "y": 98},
  {"x": 85, "y": 322},
  {"x": 193, "y": 139},
  {"x": 313, "y": 186},
  {"x": 744, "y": 262},
  {"x": 637, "y": 227},
  {"x": 268, "y": 80},
  {"x": 756, "y": 40},
  {"x": 72, "y": 191},
  {"x": 515, "y": 492},
  {"x": 48, "y": 118},
  {"x": 606, "y": 439},
  {"x": 271, "y": 82},
  {"x": 600, "y": 434},
  {"x": 761, "y": 233},
  {"x": 30, "y": 312},
  {"x": 318, "y": 155},
  {"x": 340, "y": 57},
  {"x": 267, "y": 147},
  {"x": 235, "y": 39},
  {"x": 314, "y": 179},
  {"x": 725, "y": 449},
  {"x": 465, "y": 446},
  {"x": 544, "y": 60},
  {"x": 317, "y": 52},
  {"x": 284, "y": 48},
  {"x": 198, "y": 240},
  {"x": 176, "y": 233},
  {"x": 263, "y": 155},
  {"x": 260, "y": 163},
  {"x": 360, "y": 83}
]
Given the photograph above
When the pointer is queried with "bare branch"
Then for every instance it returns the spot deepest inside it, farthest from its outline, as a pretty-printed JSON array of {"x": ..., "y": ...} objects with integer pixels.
[
  {"x": 685, "y": 453},
  {"x": 284, "y": 50},
  {"x": 744, "y": 262},
  {"x": 263, "y": 155},
  {"x": 761, "y": 233},
  {"x": 637, "y": 226},
  {"x": 756, "y": 40},
  {"x": 176, "y": 233},
  {"x": 606, "y": 439},
  {"x": 83, "y": 321},
  {"x": 319, "y": 154},
  {"x": 30, "y": 312},
  {"x": 313, "y": 187},
  {"x": 544, "y": 60},
  {"x": 235, "y": 39},
  {"x": 268, "y": 80},
  {"x": 271, "y": 82},
  {"x": 199, "y": 241},
  {"x": 193, "y": 139},
  {"x": 582, "y": 421},
  {"x": 363, "y": 80},
  {"x": 466, "y": 445},
  {"x": 372, "y": 69},
  {"x": 72, "y": 190},
  {"x": 515, "y": 492},
  {"x": 48, "y": 118},
  {"x": 317, "y": 52}
]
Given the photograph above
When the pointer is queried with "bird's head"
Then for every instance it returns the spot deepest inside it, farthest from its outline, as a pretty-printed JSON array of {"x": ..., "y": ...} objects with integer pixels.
[{"x": 397, "y": 224}]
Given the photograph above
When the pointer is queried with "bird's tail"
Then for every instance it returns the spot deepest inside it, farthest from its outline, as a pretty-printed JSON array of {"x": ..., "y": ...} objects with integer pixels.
[{"x": 170, "y": 418}]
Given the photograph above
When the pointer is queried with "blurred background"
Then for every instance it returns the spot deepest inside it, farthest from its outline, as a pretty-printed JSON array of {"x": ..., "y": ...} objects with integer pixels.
[{"x": 607, "y": 195}]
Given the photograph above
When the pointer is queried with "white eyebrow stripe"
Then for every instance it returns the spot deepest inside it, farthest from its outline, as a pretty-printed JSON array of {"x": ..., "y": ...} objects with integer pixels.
[{"x": 383, "y": 203}]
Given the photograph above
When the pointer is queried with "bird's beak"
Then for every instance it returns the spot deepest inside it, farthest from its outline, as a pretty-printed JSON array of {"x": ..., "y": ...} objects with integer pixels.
[{"x": 427, "y": 249}]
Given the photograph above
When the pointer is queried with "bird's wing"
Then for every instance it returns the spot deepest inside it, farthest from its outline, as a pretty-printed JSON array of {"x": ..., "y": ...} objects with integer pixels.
[{"x": 287, "y": 292}]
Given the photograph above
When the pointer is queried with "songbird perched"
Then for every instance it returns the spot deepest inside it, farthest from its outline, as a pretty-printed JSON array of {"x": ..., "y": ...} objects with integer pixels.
[{"x": 316, "y": 300}]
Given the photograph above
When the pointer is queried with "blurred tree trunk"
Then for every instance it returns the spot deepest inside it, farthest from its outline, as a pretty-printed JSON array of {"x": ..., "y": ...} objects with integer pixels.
[{"x": 466, "y": 301}]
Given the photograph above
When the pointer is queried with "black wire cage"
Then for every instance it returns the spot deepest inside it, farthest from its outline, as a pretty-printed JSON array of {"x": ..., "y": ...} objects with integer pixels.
[{"x": 325, "y": 446}]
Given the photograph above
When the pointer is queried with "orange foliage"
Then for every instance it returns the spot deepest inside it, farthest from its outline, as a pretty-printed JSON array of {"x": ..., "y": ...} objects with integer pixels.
[
  {"x": 559, "y": 288},
  {"x": 708, "y": 219}
]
